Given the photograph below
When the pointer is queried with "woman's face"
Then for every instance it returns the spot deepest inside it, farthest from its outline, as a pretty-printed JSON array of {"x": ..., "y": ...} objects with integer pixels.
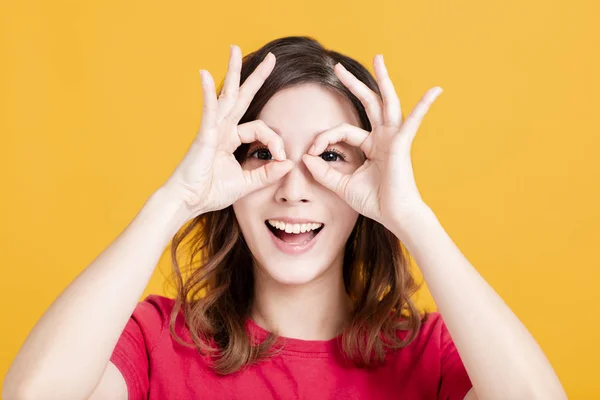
[{"x": 298, "y": 114}]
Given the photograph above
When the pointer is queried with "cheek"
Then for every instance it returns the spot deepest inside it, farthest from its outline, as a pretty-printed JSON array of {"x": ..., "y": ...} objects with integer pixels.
[
  {"x": 247, "y": 211},
  {"x": 343, "y": 215},
  {"x": 241, "y": 209},
  {"x": 349, "y": 218}
]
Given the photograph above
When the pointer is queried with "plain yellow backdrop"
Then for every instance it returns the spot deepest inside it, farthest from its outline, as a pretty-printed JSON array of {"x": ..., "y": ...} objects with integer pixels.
[{"x": 100, "y": 100}]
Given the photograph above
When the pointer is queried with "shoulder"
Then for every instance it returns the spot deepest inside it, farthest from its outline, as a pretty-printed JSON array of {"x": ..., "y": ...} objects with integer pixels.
[
  {"x": 436, "y": 332},
  {"x": 437, "y": 349},
  {"x": 428, "y": 366},
  {"x": 431, "y": 349},
  {"x": 151, "y": 318},
  {"x": 154, "y": 307},
  {"x": 432, "y": 326},
  {"x": 432, "y": 335}
]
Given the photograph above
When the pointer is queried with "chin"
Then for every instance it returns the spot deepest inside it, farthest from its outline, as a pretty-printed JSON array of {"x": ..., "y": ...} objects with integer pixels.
[{"x": 294, "y": 273}]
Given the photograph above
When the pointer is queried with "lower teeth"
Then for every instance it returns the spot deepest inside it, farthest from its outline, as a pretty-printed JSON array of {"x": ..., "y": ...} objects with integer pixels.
[
  {"x": 307, "y": 240},
  {"x": 311, "y": 237}
]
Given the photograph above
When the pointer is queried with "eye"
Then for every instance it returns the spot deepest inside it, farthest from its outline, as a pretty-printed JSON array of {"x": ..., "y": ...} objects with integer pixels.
[
  {"x": 333, "y": 155},
  {"x": 262, "y": 153}
]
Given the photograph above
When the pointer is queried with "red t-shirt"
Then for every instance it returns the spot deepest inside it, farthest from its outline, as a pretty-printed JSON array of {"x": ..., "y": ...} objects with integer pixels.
[{"x": 156, "y": 367}]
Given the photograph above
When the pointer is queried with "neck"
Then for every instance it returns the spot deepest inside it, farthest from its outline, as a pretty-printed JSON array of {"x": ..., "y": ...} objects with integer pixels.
[{"x": 318, "y": 310}]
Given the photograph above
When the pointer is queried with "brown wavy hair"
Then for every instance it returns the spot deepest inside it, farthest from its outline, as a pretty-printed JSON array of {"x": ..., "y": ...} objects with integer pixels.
[{"x": 216, "y": 296}]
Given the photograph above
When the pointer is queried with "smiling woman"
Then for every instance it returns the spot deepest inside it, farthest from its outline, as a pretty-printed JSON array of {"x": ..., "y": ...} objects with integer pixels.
[
  {"x": 296, "y": 201},
  {"x": 332, "y": 282}
]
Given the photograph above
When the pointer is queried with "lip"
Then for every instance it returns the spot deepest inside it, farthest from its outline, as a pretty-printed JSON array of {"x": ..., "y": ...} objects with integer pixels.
[{"x": 293, "y": 249}]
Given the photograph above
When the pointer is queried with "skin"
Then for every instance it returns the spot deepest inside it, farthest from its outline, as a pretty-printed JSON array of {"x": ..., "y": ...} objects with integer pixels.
[{"x": 301, "y": 296}]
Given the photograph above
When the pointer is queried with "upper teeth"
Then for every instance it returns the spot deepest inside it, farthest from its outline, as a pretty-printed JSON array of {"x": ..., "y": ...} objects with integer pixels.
[{"x": 294, "y": 228}]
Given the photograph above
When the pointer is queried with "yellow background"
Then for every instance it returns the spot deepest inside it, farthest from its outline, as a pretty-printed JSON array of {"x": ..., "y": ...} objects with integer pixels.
[{"x": 100, "y": 100}]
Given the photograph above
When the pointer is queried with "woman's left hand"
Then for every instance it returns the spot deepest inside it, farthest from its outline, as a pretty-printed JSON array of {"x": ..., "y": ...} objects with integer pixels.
[{"x": 384, "y": 187}]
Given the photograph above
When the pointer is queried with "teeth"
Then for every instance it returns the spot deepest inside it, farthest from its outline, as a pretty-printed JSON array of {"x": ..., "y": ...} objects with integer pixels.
[{"x": 294, "y": 228}]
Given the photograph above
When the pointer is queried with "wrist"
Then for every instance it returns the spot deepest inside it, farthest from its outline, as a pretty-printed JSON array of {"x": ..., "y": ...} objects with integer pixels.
[
  {"x": 166, "y": 208},
  {"x": 403, "y": 223}
]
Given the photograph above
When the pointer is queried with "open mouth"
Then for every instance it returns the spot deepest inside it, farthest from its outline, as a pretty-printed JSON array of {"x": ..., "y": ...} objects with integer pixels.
[{"x": 292, "y": 238}]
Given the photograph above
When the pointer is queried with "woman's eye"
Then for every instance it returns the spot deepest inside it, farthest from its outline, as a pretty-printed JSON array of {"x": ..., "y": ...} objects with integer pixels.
[
  {"x": 261, "y": 154},
  {"x": 264, "y": 154},
  {"x": 332, "y": 156}
]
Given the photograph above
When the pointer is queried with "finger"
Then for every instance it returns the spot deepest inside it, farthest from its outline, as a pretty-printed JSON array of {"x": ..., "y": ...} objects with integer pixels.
[
  {"x": 258, "y": 130},
  {"x": 326, "y": 175},
  {"x": 392, "y": 111},
  {"x": 251, "y": 85},
  {"x": 367, "y": 97},
  {"x": 266, "y": 175},
  {"x": 412, "y": 123},
  {"x": 232, "y": 81},
  {"x": 353, "y": 135},
  {"x": 209, "y": 103}
]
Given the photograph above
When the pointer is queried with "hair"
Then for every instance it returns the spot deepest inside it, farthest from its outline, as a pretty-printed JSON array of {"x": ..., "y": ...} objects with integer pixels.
[{"x": 217, "y": 296}]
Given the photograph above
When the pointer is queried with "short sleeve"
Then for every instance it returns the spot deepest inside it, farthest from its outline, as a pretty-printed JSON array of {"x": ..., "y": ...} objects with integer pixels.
[
  {"x": 131, "y": 354},
  {"x": 455, "y": 382}
]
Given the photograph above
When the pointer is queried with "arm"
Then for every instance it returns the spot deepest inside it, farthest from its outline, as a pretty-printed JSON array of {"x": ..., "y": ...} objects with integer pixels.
[
  {"x": 501, "y": 357},
  {"x": 69, "y": 348},
  {"x": 499, "y": 354}
]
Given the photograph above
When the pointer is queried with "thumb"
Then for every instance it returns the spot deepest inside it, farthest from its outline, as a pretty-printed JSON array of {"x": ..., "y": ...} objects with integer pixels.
[
  {"x": 265, "y": 175},
  {"x": 325, "y": 175}
]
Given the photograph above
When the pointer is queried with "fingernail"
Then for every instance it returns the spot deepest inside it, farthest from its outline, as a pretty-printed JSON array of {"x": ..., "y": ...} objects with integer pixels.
[{"x": 282, "y": 154}]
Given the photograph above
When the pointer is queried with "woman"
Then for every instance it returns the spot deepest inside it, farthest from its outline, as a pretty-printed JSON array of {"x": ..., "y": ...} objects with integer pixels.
[{"x": 295, "y": 198}]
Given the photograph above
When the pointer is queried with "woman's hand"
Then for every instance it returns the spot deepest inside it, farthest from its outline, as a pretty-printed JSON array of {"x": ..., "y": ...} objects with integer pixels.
[
  {"x": 383, "y": 188},
  {"x": 209, "y": 177}
]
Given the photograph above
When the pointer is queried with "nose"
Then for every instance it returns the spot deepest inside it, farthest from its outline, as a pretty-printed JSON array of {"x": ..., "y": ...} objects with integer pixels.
[{"x": 295, "y": 186}]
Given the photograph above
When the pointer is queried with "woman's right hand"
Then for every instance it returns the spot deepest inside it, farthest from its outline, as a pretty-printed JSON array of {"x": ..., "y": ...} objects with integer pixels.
[{"x": 209, "y": 177}]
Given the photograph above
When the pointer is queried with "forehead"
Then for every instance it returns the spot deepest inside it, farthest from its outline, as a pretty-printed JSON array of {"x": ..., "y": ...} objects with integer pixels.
[{"x": 301, "y": 112}]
